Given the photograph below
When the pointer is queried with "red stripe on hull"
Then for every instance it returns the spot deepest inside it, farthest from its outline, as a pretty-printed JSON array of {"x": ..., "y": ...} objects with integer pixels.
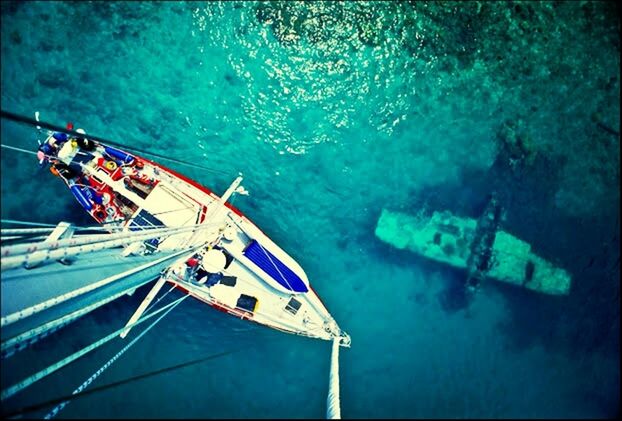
[
  {"x": 229, "y": 312},
  {"x": 202, "y": 188},
  {"x": 203, "y": 214}
]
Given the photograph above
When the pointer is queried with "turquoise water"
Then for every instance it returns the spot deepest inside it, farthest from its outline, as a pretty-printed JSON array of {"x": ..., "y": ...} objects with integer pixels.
[{"x": 332, "y": 111}]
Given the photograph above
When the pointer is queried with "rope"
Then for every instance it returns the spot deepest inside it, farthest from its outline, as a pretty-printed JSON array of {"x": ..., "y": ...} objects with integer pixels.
[
  {"x": 34, "y": 224},
  {"x": 117, "y": 383},
  {"x": 333, "y": 409},
  {"x": 27, "y": 337},
  {"x": 18, "y": 149},
  {"x": 10, "y": 391},
  {"x": 103, "y": 368},
  {"x": 159, "y": 299},
  {"x": 32, "y": 122}
]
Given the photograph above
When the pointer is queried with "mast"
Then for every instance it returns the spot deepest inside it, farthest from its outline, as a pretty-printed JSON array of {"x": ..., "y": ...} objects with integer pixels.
[
  {"x": 333, "y": 401},
  {"x": 72, "y": 300}
]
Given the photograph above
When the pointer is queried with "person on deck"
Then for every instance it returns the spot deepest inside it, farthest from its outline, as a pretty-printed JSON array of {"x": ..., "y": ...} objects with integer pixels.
[{"x": 53, "y": 144}]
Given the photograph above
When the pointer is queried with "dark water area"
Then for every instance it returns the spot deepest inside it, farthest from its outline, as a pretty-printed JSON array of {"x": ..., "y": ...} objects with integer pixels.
[{"x": 334, "y": 111}]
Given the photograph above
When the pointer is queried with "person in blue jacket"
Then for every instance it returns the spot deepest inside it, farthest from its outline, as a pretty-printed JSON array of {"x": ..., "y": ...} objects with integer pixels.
[{"x": 53, "y": 144}]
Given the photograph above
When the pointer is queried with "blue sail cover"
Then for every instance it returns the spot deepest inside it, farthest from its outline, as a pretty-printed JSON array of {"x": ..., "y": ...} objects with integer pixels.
[{"x": 259, "y": 255}]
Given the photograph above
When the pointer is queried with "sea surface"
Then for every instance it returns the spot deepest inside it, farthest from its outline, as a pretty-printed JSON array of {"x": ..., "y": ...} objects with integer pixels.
[{"x": 333, "y": 111}]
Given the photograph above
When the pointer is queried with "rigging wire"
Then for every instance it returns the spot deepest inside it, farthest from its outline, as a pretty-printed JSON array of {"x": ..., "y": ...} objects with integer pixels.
[
  {"x": 34, "y": 224},
  {"x": 83, "y": 393},
  {"x": 103, "y": 368},
  {"x": 32, "y": 122},
  {"x": 16, "y": 388},
  {"x": 18, "y": 149},
  {"x": 63, "y": 401},
  {"x": 86, "y": 383},
  {"x": 80, "y": 391}
]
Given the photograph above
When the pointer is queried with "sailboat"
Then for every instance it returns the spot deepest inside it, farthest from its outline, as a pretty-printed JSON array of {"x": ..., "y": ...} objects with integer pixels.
[
  {"x": 210, "y": 250},
  {"x": 238, "y": 268}
]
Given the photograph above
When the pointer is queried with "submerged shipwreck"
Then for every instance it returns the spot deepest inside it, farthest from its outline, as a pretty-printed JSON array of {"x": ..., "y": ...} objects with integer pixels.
[{"x": 477, "y": 245}]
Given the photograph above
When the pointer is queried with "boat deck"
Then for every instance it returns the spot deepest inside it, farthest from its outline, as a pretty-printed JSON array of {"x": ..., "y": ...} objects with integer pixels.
[{"x": 240, "y": 291}]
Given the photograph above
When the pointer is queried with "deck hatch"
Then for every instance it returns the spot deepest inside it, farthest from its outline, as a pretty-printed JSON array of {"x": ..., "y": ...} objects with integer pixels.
[
  {"x": 293, "y": 306},
  {"x": 247, "y": 302}
]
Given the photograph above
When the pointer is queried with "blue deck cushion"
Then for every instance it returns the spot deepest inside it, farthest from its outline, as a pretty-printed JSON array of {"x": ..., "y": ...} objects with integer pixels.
[{"x": 259, "y": 255}]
